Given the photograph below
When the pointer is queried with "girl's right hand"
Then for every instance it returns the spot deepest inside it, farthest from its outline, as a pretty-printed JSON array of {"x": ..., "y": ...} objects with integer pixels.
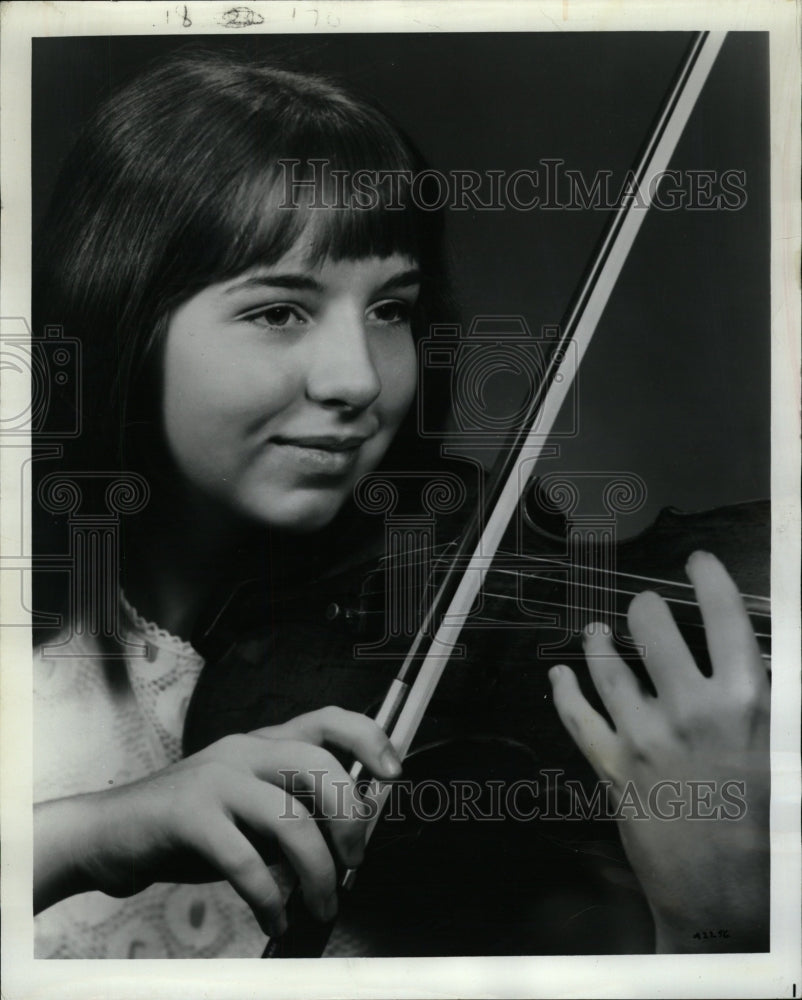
[{"x": 221, "y": 814}]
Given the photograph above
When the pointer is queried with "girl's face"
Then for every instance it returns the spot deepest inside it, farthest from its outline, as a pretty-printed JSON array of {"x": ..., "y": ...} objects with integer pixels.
[{"x": 284, "y": 385}]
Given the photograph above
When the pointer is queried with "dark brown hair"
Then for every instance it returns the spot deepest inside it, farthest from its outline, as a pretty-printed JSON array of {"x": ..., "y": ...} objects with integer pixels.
[{"x": 179, "y": 181}]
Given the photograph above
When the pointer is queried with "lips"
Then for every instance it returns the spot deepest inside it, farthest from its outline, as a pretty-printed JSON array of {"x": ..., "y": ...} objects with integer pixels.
[
  {"x": 324, "y": 455},
  {"x": 323, "y": 443}
]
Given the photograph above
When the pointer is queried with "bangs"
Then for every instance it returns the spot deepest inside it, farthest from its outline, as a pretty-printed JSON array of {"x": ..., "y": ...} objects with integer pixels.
[
  {"x": 333, "y": 219},
  {"x": 266, "y": 158},
  {"x": 343, "y": 182}
]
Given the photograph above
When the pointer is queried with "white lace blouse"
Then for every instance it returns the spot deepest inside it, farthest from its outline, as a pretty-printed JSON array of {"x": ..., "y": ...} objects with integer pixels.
[{"x": 93, "y": 731}]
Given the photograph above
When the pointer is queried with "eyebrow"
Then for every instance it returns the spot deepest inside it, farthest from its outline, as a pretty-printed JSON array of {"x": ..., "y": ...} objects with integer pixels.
[{"x": 302, "y": 282}]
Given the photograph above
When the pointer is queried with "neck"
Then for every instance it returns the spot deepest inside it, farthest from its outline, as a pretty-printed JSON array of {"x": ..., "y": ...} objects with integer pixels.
[{"x": 175, "y": 558}]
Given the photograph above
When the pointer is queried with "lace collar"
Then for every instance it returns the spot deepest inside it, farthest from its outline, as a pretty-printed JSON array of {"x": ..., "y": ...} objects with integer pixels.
[{"x": 154, "y": 634}]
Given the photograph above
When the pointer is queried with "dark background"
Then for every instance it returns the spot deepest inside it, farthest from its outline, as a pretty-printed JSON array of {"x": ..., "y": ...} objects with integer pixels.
[{"x": 676, "y": 384}]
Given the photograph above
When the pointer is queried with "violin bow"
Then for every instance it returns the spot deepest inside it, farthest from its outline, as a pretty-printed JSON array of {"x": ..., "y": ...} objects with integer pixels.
[{"x": 411, "y": 691}]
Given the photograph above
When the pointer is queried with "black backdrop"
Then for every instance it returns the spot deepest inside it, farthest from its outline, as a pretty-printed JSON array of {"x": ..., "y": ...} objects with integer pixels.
[{"x": 676, "y": 385}]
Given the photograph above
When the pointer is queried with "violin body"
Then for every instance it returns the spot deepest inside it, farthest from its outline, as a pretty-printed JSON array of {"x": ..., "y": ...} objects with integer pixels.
[
  {"x": 273, "y": 655},
  {"x": 502, "y": 886}
]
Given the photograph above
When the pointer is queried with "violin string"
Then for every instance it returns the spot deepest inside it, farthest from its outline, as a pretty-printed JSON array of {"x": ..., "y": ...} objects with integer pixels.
[
  {"x": 637, "y": 576},
  {"x": 555, "y": 561},
  {"x": 611, "y": 614},
  {"x": 634, "y": 576},
  {"x": 551, "y": 561},
  {"x": 574, "y": 607},
  {"x": 573, "y": 583},
  {"x": 618, "y": 591}
]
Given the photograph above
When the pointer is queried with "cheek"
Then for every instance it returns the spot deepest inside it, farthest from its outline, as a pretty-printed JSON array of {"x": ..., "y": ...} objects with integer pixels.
[
  {"x": 399, "y": 376},
  {"x": 213, "y": 404},
  {"x": 210, "y": 381},
  {"x": 195, "y": 399}
]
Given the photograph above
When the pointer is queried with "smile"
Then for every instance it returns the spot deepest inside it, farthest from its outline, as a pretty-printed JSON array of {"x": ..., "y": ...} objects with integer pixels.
[
  {"x": 329, "y": 454},
  {"x": 329, "y": 443}
]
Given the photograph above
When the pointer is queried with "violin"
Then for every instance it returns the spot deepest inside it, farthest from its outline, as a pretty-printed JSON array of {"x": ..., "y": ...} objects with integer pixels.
[
  {"x": 491, "y": 720},
  {"x": 500, "y": 601}
]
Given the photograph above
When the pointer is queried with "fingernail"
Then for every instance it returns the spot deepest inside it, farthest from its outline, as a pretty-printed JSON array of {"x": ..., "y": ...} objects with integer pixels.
[
  {"x": 390, "y": 763},
  {"x": 554, "y": 673},
  {"x": 593, "y": 629}
]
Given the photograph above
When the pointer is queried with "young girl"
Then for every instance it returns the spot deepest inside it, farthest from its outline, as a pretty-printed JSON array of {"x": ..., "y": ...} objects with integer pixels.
[{"x": 248, "y": 324}]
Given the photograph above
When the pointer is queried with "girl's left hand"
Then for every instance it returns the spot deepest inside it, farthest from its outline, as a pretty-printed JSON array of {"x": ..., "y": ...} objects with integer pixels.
[{"x": 688, "y": 769}]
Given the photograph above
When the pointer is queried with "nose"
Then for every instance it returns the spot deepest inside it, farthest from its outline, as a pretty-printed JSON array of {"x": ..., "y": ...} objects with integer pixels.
[{"x": 342, "y": 373}]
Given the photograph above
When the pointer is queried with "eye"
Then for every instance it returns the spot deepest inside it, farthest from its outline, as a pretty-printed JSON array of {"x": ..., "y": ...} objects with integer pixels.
[
  {"x": 394, "y": 311},
  {"x": 279, "y": 316}
]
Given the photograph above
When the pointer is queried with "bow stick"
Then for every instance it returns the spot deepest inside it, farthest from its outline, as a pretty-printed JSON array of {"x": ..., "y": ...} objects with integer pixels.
[{"x": 410, "y": 693}]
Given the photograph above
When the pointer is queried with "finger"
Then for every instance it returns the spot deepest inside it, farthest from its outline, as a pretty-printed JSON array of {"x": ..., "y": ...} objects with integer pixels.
[
  {"x": 617, "y": 686},
  {"x": 308, "y": 772},
  {"x": 587, "y": 728},
  {"x": 350, "y": 731},
  {"x": 271, "y": 812},
  {"x": 731, "y": 641},
  {"x": 666, "y": 656},
  {"x": 318, "y": 778},
  {"x": 230, "y": 852}
]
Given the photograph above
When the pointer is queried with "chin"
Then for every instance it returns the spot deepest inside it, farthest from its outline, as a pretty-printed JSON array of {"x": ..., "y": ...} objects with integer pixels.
[{"x": 299, "y": 514}]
